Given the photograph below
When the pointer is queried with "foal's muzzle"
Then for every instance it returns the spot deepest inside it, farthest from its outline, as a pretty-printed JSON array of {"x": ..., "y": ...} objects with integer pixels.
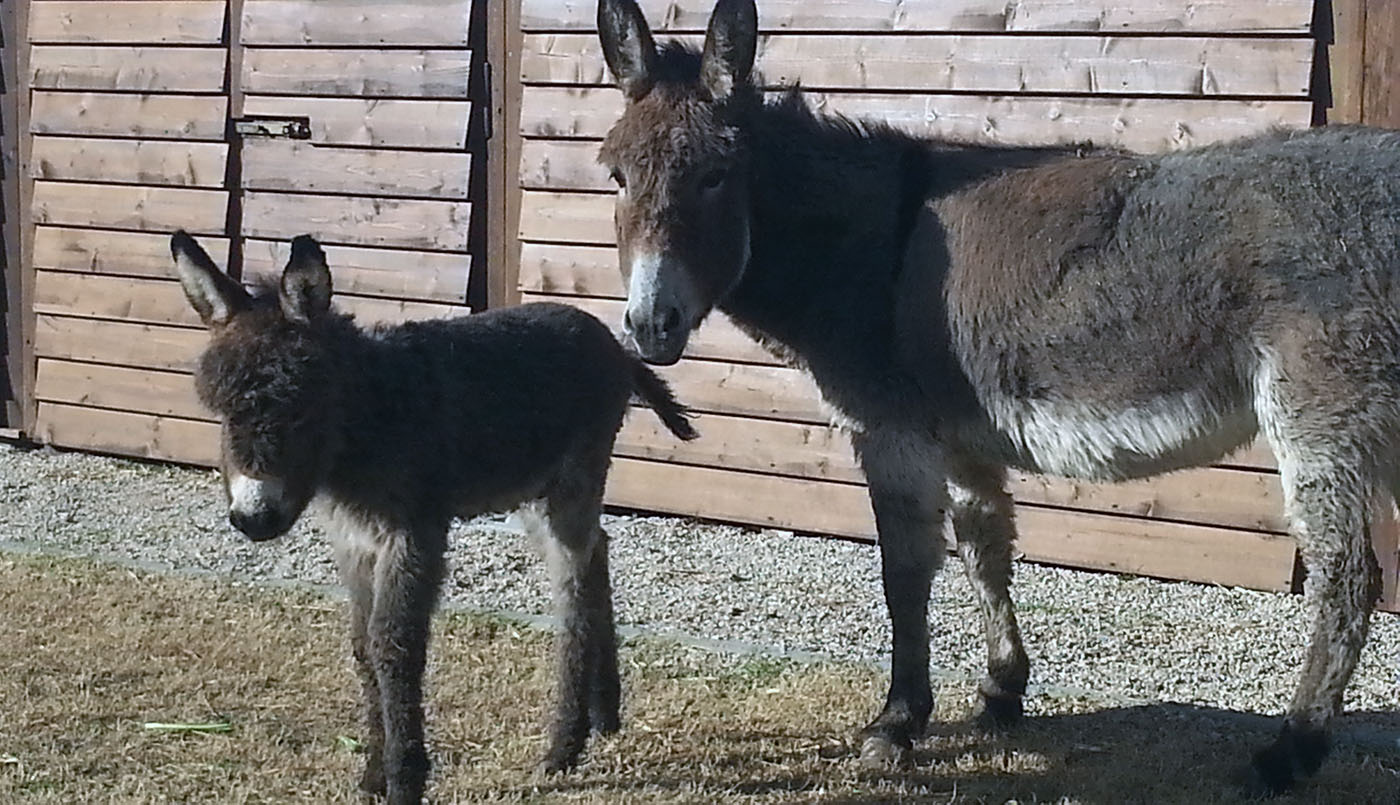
[{"x": 259, "y": 526}]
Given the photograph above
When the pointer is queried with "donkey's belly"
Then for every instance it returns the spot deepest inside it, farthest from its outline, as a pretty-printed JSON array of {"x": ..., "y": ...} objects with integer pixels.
[{"x": 1094, "y": 441}]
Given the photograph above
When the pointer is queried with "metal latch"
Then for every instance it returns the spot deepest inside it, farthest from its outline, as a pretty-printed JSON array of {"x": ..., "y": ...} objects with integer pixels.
[{"x": 291, "y": 128}]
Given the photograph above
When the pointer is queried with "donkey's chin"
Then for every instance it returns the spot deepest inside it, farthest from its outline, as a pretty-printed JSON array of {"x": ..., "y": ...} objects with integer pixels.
[{"x": 661, "y": 356}]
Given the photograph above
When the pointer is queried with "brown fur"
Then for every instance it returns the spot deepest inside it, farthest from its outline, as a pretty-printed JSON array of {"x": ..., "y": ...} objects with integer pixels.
[
  {"x": 397, "y": 431},
  {"x": 1075, "y": 311}
]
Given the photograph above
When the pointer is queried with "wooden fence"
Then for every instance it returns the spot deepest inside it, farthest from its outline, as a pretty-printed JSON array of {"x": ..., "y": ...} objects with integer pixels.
[{"x": 124, "y": 125}]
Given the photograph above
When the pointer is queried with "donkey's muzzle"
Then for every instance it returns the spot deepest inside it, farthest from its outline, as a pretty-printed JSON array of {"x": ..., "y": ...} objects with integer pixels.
[
  {"x": 259, "y": 526},
  {"x": 659, "y": 333}
]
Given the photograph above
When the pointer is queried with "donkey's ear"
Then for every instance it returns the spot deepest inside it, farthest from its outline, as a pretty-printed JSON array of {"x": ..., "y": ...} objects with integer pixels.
[
  {"x": 305, "y": 291},
  {"x": 730, "y": 43},
  {"x": 214, "y": 295},
  {"x": 627, "y": 45}
]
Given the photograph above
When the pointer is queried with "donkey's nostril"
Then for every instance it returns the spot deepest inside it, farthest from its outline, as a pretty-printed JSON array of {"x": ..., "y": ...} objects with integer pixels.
[
  {"x": 672, "y": 322},
  {"x": 627, "y": 320}
]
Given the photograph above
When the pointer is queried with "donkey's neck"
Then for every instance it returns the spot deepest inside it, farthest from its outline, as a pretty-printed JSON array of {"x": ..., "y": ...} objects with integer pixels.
[{"x": 832, "y": 206}]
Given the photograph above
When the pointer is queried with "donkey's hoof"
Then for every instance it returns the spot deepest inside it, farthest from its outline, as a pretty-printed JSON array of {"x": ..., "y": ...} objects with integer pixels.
[
  {"x": 1293, "y": 755},
  {"x": 556, "y": 762},
  {"x": 372, "y": 782},
  {"x": 604, "y": 722},
  {"x": 998, "y": 713},
  {"x": 881, "y": 752}
]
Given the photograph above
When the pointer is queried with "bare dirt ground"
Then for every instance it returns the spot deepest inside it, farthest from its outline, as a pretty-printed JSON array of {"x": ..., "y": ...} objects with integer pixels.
[{"x": 90, "y": 653}]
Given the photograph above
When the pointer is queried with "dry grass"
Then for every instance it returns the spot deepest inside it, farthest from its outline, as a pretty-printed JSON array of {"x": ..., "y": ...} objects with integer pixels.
[{"x": 89, "y": 653}]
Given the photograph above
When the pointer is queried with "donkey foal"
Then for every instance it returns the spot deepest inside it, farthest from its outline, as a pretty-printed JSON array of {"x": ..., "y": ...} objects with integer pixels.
[{"x": 398, "y": 430}]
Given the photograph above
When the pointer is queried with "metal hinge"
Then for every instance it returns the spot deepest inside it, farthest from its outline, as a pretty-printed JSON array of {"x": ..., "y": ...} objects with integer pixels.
[
  {"x": 486, "y": 104},
  {"x": 291, "y": 128}
]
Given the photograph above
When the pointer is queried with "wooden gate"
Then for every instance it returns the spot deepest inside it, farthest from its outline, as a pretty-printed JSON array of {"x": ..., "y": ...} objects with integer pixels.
[{"x": 136, "y": 112}]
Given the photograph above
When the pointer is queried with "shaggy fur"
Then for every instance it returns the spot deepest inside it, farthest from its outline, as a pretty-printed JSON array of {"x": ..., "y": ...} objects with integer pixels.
[
  {"x": 1076, "y": 311},
  {"x": 397, "y": 431}
]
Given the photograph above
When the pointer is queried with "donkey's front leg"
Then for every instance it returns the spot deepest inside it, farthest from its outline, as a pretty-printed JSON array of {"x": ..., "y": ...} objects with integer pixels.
[
  {"x": 984, "y": 528},
  {"x": 908, "y": 493},
  {"x": 605, "y": 703},
  {"x": 356, "y": 564},
  {"x": 407, "y": 575}
]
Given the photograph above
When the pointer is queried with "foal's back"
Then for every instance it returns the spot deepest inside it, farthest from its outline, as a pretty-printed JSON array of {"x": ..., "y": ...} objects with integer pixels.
[{"x": 489, "y": 404}]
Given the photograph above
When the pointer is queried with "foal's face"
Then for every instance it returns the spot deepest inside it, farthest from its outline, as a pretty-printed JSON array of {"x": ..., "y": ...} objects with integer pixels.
[
  {"x": 269, "y": 375},
  {"x": 678, "y": 157}
]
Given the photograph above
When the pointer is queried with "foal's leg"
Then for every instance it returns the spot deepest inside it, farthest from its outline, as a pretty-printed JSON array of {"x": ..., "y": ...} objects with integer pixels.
[
  {"x": 357, "y": 574},
  {"x": 407, "y": 575},
  {"x": 982, "y": 523},
  {"x": 605, "y": 702},
  {"x": 1328, "y": 510},
  {"x": 908, "y": 493},
  {"x": 572, "y": 509}
]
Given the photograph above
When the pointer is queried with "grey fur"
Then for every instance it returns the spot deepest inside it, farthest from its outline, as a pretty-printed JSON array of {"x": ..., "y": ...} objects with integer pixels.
[
  {"x": 398, "y": 430},
  {"x": 1075, "y": 311}
]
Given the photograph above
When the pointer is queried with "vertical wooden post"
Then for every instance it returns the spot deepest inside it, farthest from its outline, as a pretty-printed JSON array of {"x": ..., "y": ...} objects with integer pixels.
[
  {"x": 1385, "y": 538},
  {"x": 502, "y": 263},
  {"x": 1380, "y": 102},
  {"x": 233, "y": 169},
  {"x": 23, "y": 340},
  {"x": 1342, "y": 33},
  {"x": 13, "y": 329}
]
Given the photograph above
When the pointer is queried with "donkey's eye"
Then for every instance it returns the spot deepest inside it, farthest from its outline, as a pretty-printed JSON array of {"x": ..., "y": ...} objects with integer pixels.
[
  {"x": 713, "y": 179},
  {"x": 619, "y": 178}
]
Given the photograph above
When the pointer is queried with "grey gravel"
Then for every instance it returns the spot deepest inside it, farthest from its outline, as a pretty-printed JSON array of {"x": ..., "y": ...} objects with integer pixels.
[{"x": 1115, "y": 637}]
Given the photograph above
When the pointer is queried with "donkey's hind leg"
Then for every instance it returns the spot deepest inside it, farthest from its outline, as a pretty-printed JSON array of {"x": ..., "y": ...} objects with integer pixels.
[
  {"x": 605, "y": 703},
  {"x": 572, "y": 507},
  {"x": 983, "y": 525},
  {"x": 909, "y": 495},
  {"x": 1326, "y": 447}
]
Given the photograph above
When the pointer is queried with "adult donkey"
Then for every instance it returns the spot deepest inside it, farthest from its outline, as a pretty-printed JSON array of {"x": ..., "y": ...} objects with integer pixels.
[{"x": 1080, "y": 312}]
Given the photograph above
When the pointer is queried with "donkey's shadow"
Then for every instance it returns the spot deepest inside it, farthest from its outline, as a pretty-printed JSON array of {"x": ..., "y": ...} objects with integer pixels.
[{"x": 1153, "y": 753}]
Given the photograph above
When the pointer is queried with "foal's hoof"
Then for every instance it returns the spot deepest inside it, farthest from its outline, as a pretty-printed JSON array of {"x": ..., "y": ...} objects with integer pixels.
[
  {"x": 1295, "y": 754},
  {"x": 881, "y": 752},
  {"x": 998, "y": 713},
  {"x": 556, "y": 761},
  {"x": 604, "y": 723},
  {"x": 372, "y": 782}
]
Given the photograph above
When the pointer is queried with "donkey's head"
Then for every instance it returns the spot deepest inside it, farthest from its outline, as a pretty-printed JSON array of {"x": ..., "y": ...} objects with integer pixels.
[
  {"x": 270, "y": 373},
  {"x": 679, "y": 157}
]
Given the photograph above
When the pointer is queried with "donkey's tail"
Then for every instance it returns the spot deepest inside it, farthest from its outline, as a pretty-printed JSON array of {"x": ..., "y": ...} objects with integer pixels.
[{"x": 656, "y": 394}]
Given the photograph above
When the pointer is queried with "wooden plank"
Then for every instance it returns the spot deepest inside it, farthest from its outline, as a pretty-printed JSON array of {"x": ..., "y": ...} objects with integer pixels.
[
  {"x": 421, "y": 276},
  {"x": 574, "y": 270},
  {"x": 1345, "y": 60},
  {"x": 271, "y": 164},
  {"x": 370, "y": 311},
  {"x": 567, "y": 217},
  {"x": 128, "y": 69},
  {"x": 1157, "y": 16},
  {"x": 129, "y": 434},
  {"x": 358, "y": 73},
  {"x": 1060, "y": 64},
  {"x": 148, "y": 346},
  {"x": 128, "y": 22},
  {"x": 766, "y": 392},
  {"x": 151, "y": 162},
  {"x": 1141, "y": 124},
  {"x": 404, "y": 223},
  {"x": 427, "y": 23},
  {"x": 179, "y": 117},
  {"x": 132, "y": 299},
  {"x": 119, "y": 387},
  {"x": 1385, "y": 537},
  {"x": 1151, "y": 548},
  {"x": 562, "y": 165},
  {"x": 717, "y": 338},
  {"x": 378, "y": 122},
  {"x": 1079, "y": 539},
  {"x": 162, "y": 209},
  {"x": 1232, "y": 498},
  {"x": 1380, "y": 103},
  {"x": 109, "y": 252}
]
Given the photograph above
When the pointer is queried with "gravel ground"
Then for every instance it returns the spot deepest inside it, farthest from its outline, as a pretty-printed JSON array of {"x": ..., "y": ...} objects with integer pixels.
[{"x": 1121, "y": 638}]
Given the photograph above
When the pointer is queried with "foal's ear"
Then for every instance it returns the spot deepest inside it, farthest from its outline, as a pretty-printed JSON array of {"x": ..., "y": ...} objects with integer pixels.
[
  {"x": 628, "y": 47},
  {"x": 305, "y": 292},
  {"x": 214, "y": 295},
  {"x": 730, "y": 43}
]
